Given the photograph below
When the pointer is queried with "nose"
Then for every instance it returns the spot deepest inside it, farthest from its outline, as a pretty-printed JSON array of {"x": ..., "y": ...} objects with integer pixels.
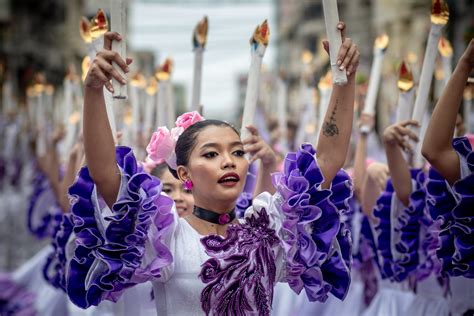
[
  {"x": 228, "y": 161},
  {"x": 178, "y": 196}
]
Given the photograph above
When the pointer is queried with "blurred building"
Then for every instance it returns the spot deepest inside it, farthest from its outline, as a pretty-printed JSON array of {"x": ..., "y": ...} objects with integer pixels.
[
  {"x": 407, "y": 22},
  {"x": 39, "y": 36}
]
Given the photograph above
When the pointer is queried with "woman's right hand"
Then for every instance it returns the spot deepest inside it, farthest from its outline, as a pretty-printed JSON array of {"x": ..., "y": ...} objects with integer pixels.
[
  {"x": 396, "y": 135},
  {"x": 101, "y": 70}
]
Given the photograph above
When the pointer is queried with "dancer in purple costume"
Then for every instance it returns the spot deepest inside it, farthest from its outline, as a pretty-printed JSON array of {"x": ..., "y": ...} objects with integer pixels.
[{"x": 210, "y": 263}]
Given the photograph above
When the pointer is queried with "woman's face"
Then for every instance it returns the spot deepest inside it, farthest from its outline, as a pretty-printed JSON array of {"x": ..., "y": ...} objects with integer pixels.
[
  {"x": 217, "y": 167},
  {"x": 174, "y": 188}
]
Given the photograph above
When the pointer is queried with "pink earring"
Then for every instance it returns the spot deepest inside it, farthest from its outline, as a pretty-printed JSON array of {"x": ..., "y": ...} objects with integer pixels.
[{"x": 188, "y": 184}]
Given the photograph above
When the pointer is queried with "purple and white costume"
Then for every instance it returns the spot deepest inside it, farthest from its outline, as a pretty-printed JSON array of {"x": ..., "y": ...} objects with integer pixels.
[
  {"x": 402, "y": 240},
  {"x": 451, "y": 207},
  {"x": 294, "y": 236}
]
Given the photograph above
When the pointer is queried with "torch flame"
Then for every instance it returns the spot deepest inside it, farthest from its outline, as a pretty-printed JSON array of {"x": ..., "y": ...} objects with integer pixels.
[
  {"x": 164, "y": 71},
  {"x": 468, "y": 93},
  {"x": 99, "y": 24},
  {"x": 306, "y": 56},
  {"x": 412, "y": 57},
  {"x": 152, "y": 86},
  {"x": 49, "y": 89},
  {"x": 127, "y": 118},
  {"x": 138, "y": 80},
  {"x": 405, "y": 78},
  {"x": 200, "y": 33},
  {"x": 439, "y": 12},
  {"x": 445, "y": 48},
  {"x": 261, "y": 35},
  {"x": 71, "y": 73},
  {"x": 38, "y": 88},
  {"x": 85, "y": 30},
  {"x": 326, "y": 81},
  {"x": 381, "y": 42}
]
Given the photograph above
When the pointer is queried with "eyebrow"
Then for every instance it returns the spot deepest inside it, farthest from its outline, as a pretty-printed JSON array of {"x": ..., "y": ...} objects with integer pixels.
[{"x": 216, "y": 145}]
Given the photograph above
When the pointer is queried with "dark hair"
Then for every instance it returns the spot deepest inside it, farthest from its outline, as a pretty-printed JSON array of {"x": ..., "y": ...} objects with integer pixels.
[
  {"x": 187, "y": 141},
  {"x": 159, "y": 170}
]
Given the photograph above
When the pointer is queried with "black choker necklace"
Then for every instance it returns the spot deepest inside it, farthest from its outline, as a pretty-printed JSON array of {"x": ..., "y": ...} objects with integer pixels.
[{"x": 210, "y": 216}]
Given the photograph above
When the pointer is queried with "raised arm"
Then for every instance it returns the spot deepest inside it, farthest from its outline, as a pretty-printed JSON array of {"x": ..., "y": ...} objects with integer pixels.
[
  {"x": 395, "y": 140},
  {"x": 258, "y": 149},
  {"x": 361, "y": 155},
  {"x": 374, "y": 184},
  {"x": 99, "y": 144},
  {"x": 437, "y": 148},
  {"x": 336, "y": 129}
]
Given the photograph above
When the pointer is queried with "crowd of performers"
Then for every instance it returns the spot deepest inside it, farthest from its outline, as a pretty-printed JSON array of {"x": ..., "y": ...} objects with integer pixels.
[{"x": 208, "y": 223}]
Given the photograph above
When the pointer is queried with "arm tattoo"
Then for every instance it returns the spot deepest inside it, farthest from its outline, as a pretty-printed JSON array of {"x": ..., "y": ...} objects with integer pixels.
[{"x": 329, "y": 127}]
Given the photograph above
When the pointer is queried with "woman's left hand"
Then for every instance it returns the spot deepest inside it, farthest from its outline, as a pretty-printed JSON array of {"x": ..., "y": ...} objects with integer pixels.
[
  {"x": 258, "y": 149},
  {"x": 349, "y": 55}
]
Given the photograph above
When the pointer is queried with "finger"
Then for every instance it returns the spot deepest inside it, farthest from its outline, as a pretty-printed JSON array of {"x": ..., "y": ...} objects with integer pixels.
[
  {"x": 129, "y": 60},
  {"x": 252, "y": 148},
  {"x": 406, "y": 146},
  {"x": 251, "y": 140},
  {"x": 108, "y": 86},
  {"x": 253, "y": 159},
  {"x": 257, "y": 155},
  {"x": 409, "y": 123},
  {"x": 350, "y": 54},
  {"x": 341, "y": 26},
  {"x": 109, "y": 70},
  {"x": 98, "y": 73},
  {"x": 343, "y": 51},
  {"x": 354, "y": 63},
  {"x": 412, "y": 136},
  {"x": 252, "y": 129},
  {"x": 399, "y": 139},
  {"x": 407, "y": 132},
  {"x": 115, "y": 57},
  {"x": 109, "y": 37}
]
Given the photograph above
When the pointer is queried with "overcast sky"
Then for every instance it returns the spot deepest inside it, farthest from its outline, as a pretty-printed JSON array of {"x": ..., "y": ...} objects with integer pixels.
[{"x": 166, "y": 29}]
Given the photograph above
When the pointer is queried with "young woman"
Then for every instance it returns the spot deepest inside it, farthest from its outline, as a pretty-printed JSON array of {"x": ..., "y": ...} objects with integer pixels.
[
  {"x": 182, "y": 197},
  {"x": 209, "y": 262}
]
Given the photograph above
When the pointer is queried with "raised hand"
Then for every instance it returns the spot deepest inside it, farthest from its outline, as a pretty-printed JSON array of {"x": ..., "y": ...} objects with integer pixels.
[
  {"x": 101, "y": 70},
  {"x": 399, "y": 133},
  {"x": 349, "y": 55},
  {"x": 258, "y": 149}
]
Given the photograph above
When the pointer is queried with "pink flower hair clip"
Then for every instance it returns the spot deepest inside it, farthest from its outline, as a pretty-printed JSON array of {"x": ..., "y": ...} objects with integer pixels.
[{"x": 161, "y": 147}]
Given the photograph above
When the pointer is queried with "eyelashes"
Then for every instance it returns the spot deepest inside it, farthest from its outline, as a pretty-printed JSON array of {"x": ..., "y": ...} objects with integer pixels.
[{"x": 213, "y": 154}]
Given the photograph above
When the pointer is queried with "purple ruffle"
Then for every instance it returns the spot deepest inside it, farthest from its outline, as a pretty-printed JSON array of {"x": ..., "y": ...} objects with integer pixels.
[
  {"x": 54, "y": 271},
  {"x": 440, "y": 203},
  {"x": 44, "y": 214},
  {"x": 14, "y": 299},
  {"x": 315, "y": 260},
  {"x": 107, "y": 261},
  {"x": 241, "y": 273},
  {"x": 453, "y": 208},
  {"x": 430, "y": 244},
  {"x": 383, "y": 229},
  {"x": 244, "y": 200},
  {"x": 408, "y": 226}
]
